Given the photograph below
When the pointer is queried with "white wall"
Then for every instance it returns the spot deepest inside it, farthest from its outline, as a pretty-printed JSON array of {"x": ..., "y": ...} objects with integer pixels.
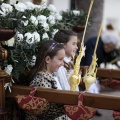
[
  {"x": 61, "y": 4},
  {"x": 112, "y": 12}
]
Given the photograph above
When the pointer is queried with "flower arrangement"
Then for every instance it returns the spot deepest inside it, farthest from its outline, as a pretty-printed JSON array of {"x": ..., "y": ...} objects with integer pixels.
[
  {"x": 74, "y": 14},
  {"x": 33, "y": 24}
]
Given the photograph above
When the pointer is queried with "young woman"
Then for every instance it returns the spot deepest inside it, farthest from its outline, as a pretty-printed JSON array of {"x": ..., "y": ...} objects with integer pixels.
[{"x": 49, "y": 59}]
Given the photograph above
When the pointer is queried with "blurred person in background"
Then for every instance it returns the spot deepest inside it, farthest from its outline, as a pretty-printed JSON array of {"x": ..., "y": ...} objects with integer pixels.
[{"x": 107, "y": 43}]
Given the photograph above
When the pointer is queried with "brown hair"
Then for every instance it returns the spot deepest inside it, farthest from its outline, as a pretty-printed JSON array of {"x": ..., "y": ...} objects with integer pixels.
[
  {"x": 48, "y": 48},
  {"x": 63, "y": 36}
]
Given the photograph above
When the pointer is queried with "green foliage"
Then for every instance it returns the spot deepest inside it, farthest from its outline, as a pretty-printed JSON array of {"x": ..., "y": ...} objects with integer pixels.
[
  {"x": 73, "y": 18},
  {"x": 33, "y": 24}
]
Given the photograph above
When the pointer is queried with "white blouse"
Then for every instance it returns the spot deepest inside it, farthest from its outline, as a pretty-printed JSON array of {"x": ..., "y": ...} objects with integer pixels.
[{"x": 63, "y": 75}]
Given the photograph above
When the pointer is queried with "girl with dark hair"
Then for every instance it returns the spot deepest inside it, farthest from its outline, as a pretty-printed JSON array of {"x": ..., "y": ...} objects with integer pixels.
[
  {"x": 69, "y": 40},
  {"x": 47, "y": 51},
  {"x": 49, "y": 59}
]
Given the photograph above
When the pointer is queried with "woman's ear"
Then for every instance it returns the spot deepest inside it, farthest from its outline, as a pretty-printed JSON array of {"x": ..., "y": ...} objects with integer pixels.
[{"x": 47, "y": 59}]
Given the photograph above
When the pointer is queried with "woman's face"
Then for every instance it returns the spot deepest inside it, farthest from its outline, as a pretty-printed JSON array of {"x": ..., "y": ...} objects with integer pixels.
[
  {"x": 71, "y": 46},
  {"x": 54, "y": 63},
  {"x": 108, "y": 47}
]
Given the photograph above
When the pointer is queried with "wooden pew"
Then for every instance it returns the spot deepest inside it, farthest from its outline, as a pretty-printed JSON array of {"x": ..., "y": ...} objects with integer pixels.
[
  {"x": 64, "y": 97},
  {"x": 105, "y": 73},
  {"x": 69, "y": 98}
]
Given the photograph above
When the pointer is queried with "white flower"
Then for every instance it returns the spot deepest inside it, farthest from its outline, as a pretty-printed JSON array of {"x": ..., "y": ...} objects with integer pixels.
[
  {"x": 8, "y": 69},
  {"x": 5, "y": 9},
  {"x": 38, "y": 7},
  {"x": 76, "y": 12},
  {"x": 8, "y": 7},
  {"x": 29, "y": 38},
  {"x": 45, "y": 26},
  {"x": 58, "y": 17},
  {"x": 20, "y": 7},
  {"x": 52, "y": 8},
  {"x": 45, "y": 35},
  {"x": 32, "y": 63},
  {"x": 43, "y": 6},
  {"x": 51, "y": 19},
  {"x": 54, "y": 32},
  {"x": 19, "y": 37},
  {"x": 36, "y": 36},
  {"x": 11, "y": 42},
  {"x": 24, "y": 22},
  {"x": 30, "y": 5},
  {"x": 43, "y": 1},
  {"x": 34, "y": 20},
  {"x": 2, "y": 13},
  {"x": 41, "y": 19}
]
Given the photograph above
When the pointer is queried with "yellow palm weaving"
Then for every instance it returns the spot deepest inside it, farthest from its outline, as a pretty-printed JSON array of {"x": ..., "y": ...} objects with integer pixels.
[
  {"x": 75, "y": 77},
  {"x": 90, "y": 76}
]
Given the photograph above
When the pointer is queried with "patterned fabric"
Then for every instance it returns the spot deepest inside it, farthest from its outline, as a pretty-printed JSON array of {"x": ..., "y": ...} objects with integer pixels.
[
  {"x": 111, "y": 83},
  {"x": 54, "y": 113},
  {"x": 63, "y": 117},
  {"x": 80, "y": 112},
  {"x": 116, "y": 115},
  {"x": 46, "y": 80},
  {"x": 31, "y": 104}
]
